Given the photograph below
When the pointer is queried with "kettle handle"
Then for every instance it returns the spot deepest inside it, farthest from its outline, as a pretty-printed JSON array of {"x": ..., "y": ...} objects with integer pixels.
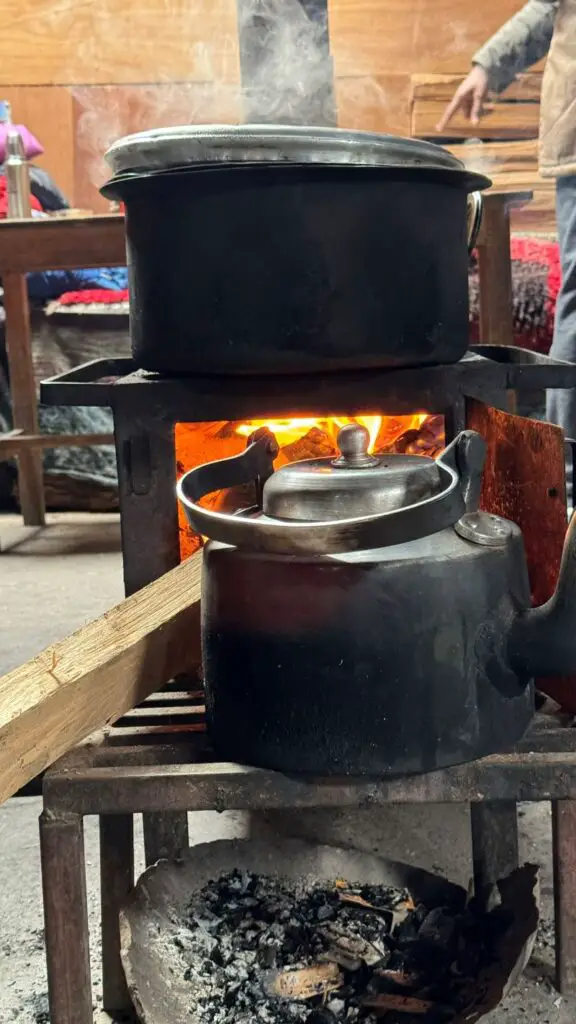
[{"x": 460, "y": 462}]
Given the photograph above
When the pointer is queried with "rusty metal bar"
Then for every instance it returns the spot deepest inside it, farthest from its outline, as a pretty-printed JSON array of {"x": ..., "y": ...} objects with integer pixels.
[
  {"x": 116, "y": 881},
  {"x": 66, "y": 918},
  {"x": 146, "y": 482},
  {"x": 186, "y": 787},
  {"x": 564, "y": 853}
]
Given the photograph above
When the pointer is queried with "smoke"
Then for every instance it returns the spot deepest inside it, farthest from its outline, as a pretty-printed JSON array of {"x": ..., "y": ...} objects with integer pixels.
[
  {"x": 289, "y": 70},
  {"x": 193, "y": 63},
  {"x": 189, "y": 52}
]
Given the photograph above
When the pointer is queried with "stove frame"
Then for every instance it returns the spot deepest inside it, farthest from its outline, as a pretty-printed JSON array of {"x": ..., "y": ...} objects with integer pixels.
[
  {"x": 156, "y": 759},
  {"x": 118, "y": 779}
]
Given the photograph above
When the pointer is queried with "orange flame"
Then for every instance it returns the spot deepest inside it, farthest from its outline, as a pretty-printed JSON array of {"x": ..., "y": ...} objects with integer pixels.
[{"x": 383, "y": 430}]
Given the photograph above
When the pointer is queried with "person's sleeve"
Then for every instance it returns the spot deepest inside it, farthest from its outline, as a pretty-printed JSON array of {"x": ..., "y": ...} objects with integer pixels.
[{"x": 519, "y": 44}]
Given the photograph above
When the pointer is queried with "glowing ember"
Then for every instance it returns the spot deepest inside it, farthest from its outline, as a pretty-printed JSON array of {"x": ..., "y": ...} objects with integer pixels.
[
  {"x": 383, "y": 430},
  {"x": 299, "y": 437}
]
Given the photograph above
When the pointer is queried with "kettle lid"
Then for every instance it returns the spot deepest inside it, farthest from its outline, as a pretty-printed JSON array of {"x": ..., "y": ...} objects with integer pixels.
[{"x": 354, "y": 484}]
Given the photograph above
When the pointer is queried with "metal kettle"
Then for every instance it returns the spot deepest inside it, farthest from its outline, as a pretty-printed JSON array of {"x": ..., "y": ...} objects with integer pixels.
[{"x": 365, "y": 618}]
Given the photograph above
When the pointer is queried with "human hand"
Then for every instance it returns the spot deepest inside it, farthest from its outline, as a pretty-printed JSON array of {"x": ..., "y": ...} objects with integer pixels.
[{"x": 469, "y": 98}]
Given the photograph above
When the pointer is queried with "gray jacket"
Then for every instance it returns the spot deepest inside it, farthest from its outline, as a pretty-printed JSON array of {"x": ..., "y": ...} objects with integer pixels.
[{"x": 521, "y": 42}]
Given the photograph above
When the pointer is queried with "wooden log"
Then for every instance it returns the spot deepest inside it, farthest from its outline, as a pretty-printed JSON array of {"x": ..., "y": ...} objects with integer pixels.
[
  {"x": 97, "y": 674},
  {"x": 442, "y": 87},
  {"x": 502, "y": 121}
]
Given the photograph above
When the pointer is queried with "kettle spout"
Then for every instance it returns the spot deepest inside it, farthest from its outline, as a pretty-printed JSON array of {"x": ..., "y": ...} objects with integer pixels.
[{"x": 543, "y": 640}]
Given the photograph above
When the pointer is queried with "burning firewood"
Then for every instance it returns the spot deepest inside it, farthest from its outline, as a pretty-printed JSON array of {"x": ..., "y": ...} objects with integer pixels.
[
  {"x": 382, "y": 1004},
  {"x": 316, "y": 444},
  {"x": 304, "y": 983}
]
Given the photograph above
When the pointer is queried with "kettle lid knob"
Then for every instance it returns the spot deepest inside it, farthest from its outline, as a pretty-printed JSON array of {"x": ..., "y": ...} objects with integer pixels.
[{"x": 353, "y": 440}]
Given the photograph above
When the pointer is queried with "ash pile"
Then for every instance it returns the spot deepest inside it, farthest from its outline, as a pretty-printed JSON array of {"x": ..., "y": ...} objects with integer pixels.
[{"x": 278, "y": 951}]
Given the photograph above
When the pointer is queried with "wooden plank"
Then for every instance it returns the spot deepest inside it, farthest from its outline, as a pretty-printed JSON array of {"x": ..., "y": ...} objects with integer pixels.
[
  {"x": 374, "y": 104},
  {"x": 442, "y": 87},
  {"x": 137, "y": 108},
  {"x": 500, "y": 158},
  {"x": 165, "y": 712},
  {"x": 502, "y": 121},
  {"x": 47, "y": 43},
  {"x": 23, "y": 443},
  {"x": 495, "y": 275},
  {"x": 538, "y": 217},
  {"x": 23, "y": 395},
  {"x": 368, "y": 37},
  {"x": 47, "y": 111},
  {"x": 95, "y": 675},
  {"x": 61, "y": 244}
]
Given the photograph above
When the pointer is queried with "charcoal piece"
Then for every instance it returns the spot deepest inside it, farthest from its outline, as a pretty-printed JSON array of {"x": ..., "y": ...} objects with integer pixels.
[
  {"x": 437, "y": 938},
  {"x": 321, "y": 1015},
  {"x": 408, "y": 929}
]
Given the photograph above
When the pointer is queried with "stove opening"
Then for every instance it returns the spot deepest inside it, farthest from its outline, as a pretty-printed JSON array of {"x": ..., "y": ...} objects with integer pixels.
[{"x": 300, "y": 437}]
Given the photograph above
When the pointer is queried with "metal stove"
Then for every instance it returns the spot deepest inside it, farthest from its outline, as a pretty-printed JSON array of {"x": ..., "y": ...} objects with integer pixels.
[{"x": 157, "y": 760}]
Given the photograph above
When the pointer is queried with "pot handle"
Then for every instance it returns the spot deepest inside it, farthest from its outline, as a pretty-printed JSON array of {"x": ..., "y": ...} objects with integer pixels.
[
  {"x": 475, "y": 206},
  {"x": 460, "y": 461},
  {"x": 543, "y": 640}
]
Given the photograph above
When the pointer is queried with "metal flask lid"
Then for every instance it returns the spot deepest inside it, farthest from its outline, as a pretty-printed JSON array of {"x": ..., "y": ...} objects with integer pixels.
[{"x": 354, "y": 484}]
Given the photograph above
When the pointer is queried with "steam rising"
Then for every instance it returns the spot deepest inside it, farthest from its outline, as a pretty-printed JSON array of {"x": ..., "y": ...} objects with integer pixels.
[
  {"x": 192, "y": 59},
  {"x": 289, "y": 81}
]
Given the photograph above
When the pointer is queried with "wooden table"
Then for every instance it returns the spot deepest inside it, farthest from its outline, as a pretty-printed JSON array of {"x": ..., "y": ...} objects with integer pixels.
[
  {"x": 99, "y": 241},
  {"x": 44, "y": 244}
]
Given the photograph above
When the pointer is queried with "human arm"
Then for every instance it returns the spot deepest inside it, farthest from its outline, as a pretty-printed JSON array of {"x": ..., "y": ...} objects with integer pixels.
[{"x": 521, "y": 42}]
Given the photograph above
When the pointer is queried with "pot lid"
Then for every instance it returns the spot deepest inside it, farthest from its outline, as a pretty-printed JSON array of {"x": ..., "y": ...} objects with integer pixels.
[
  {"x": 352, "y": 485},
  {"x": 162, "y": 149}
]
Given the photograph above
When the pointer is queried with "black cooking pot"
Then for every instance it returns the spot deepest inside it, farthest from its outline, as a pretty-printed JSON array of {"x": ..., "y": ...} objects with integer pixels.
[{"x": 274, "y": 249}]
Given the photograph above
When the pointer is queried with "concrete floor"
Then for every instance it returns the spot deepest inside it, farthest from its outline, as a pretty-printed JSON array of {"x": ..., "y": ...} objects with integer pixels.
[{"x": 53, "y": 581}]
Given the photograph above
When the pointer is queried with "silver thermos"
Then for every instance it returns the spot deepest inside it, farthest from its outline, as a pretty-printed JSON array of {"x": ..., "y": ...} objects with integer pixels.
[{"x": 17, "y": 176}]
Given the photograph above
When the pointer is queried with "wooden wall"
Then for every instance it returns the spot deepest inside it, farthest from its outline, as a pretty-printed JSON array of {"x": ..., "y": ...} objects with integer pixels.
[
  {"x": 81, "y": 74},
  {"x": 379, "y": 46}
]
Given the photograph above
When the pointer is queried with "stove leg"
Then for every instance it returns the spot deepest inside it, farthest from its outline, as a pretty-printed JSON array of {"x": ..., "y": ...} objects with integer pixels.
[
  {"x": 564, "y": 852},
  {"x": 116, "y": 881},
  {"x": 494, "y": 841},
  {"x": 165, "y": 835},
  {"x": 66, "y": 918},
  {"x": 146, "y": 460}
]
